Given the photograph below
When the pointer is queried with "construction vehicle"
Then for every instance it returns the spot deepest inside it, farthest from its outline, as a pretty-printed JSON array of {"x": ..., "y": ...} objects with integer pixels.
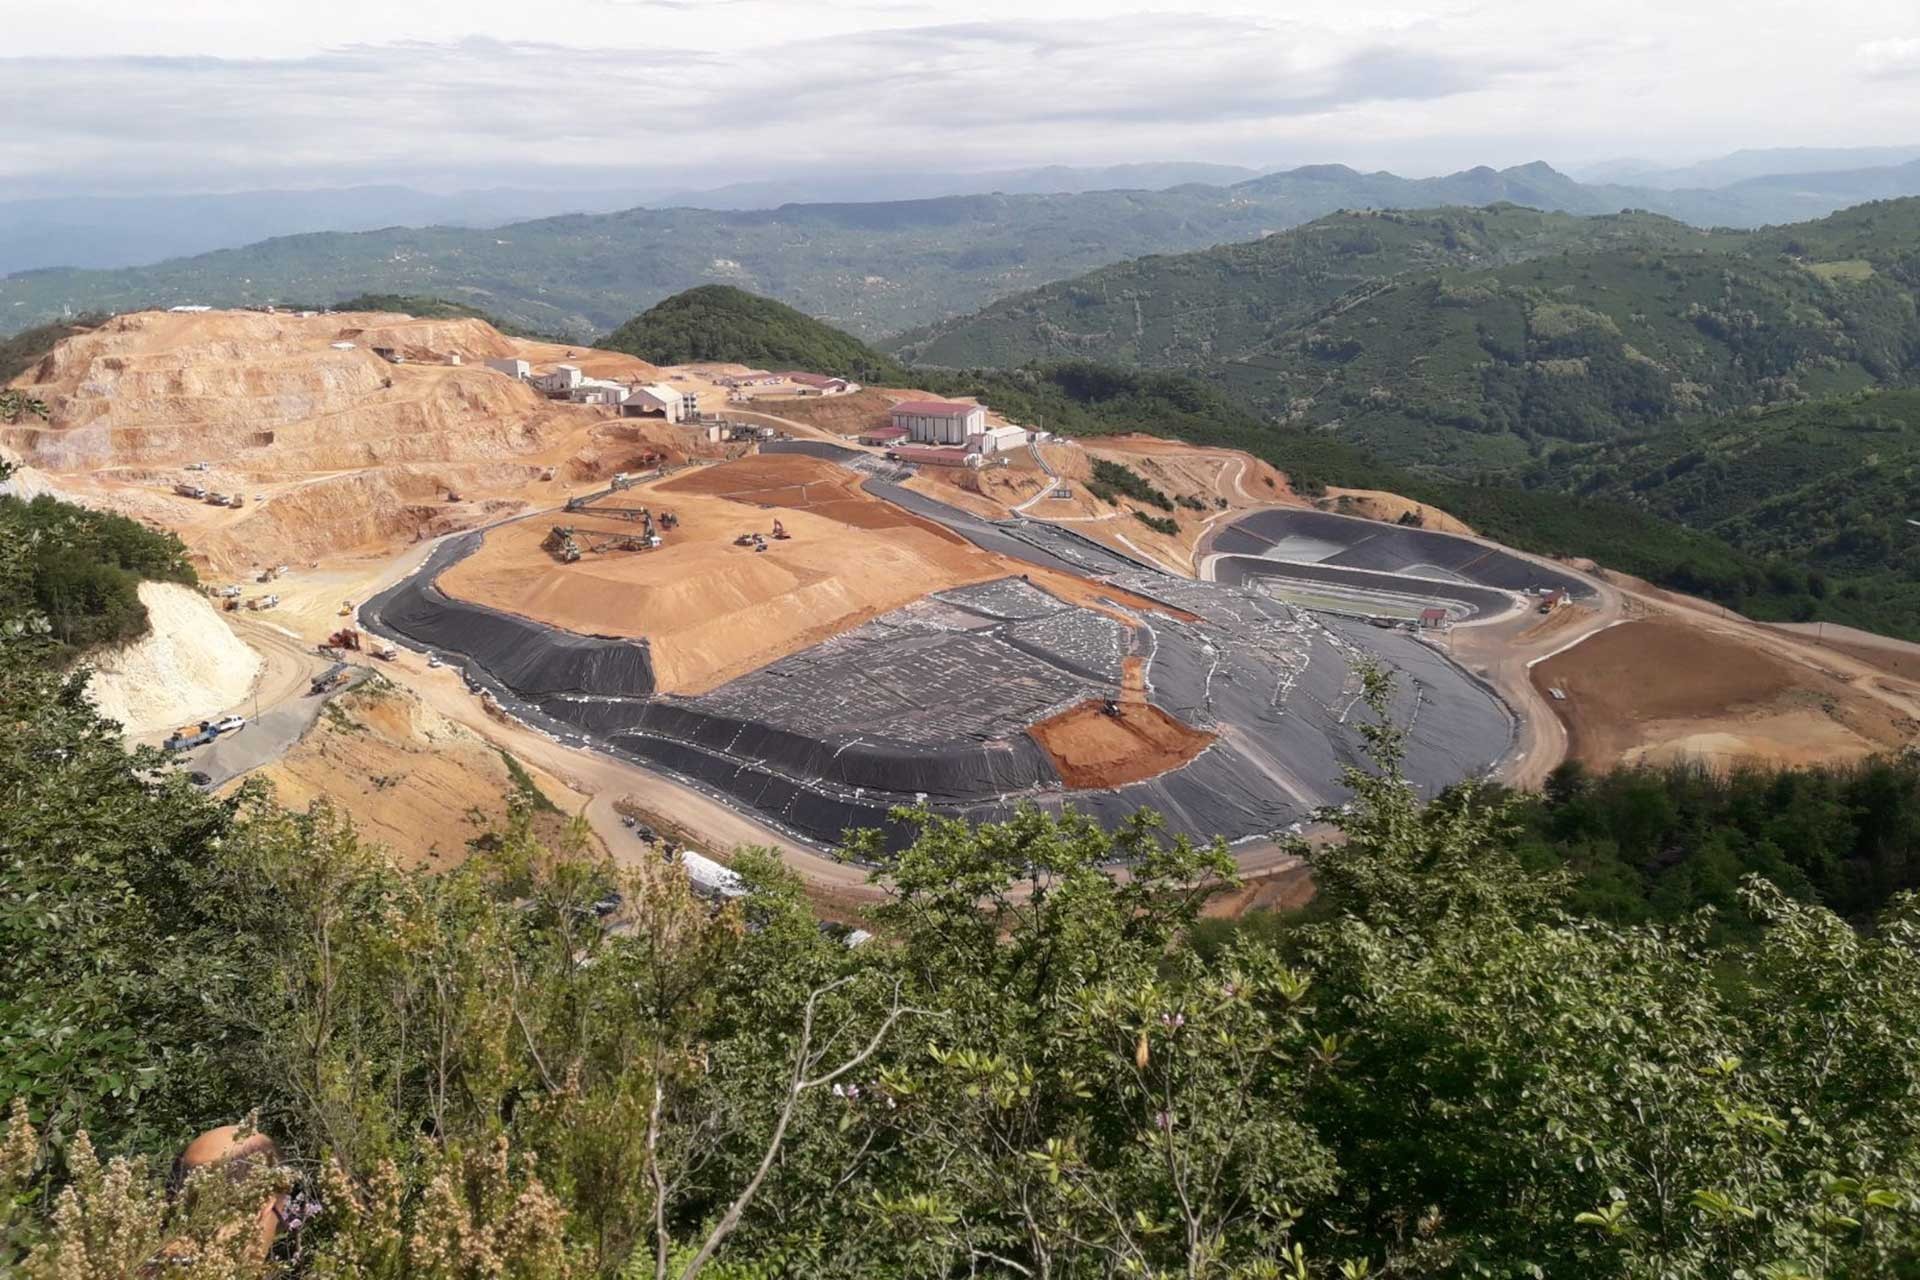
[
  {"x": 346, "y": 609},
  {"x": 668, "y": 520},
  {"x": 344, "y": 638},
  {"x": 383, "y": 651},
  {"x": 560, "y": 543},
  {"x": 190, "y": 737},
  {"x": 263, "y": 602},
  {"x": 330, "y": 679},
  {"x": 1110, "y": 707},
  {"x": 453, "y": 495},
  {"x": 190, "y": 491},
  {"x": 216, "y": 499},
  {"x": 745, "y": 540},
  {"x": 236, "y": 500},
  {"x": 780, "y": 533}
]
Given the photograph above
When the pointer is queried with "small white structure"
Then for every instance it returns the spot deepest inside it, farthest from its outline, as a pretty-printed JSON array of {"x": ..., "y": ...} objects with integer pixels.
[
  {"x": 655, "y": 400},
  {"x": 820, "y": 384},
  {"x": 939, "y": 421},
  {"x": 564, "y": 380},
  {"x": 998, "y": 440},
  {"x": 512, "y": 368},
  {"x": 598, "y": 391},
  {"x": 712, "y": 878},
  {"x": 189, "y": 308},
  {"x": 689, "y": 405},
  {"x": 341, "y": 346}
]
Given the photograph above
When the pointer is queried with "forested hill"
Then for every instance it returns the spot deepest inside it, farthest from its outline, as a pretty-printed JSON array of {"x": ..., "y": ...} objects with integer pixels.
[
  {"x": 1181, "y": 310},
  {"x": 1828, "y": 485},
  {"x": 720, "y": 323},
  {"x": 873, "y": 269}
]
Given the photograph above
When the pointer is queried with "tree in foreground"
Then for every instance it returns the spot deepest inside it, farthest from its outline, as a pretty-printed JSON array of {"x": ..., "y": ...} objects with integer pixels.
[{"x": 544, "y": 1064}]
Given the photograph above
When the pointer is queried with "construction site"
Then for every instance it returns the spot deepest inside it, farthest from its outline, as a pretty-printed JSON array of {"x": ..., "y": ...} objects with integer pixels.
[{"x": 759, "y": 629}]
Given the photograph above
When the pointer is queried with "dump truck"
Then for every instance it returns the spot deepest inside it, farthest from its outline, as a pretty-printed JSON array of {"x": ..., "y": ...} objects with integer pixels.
[
  {"x": 190, "y": 491},
  {"x": 263, "y": 602},
  {"x": 330, "y": 679},
  {"x": 191, "y": 736},
  {"x": 383, "y": 651}
]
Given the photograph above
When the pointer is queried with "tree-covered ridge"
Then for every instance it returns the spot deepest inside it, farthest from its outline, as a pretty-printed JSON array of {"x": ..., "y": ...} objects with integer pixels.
[
  {"x": 1464, "y": 371},
  {"x": 1194, "y": 309},
  {"x": 1828, "y": 486},
  {"x": 874, "y": 269},
  {"x": 1029, "y": 1072},
  {"x": 78, "y": 572},
  {"x": 724, "y": 324}
]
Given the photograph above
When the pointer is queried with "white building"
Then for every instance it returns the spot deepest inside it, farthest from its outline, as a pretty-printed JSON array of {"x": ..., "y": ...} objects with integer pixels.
[
  {"x": 512, "y": 368},
  {"x": 598, "y": 391},
  {"x": 939, "y": 421},
  {"x": 655, "y": 400},
  {"x": 564, "y": 380},
  {"x": 998, "y": 439}
]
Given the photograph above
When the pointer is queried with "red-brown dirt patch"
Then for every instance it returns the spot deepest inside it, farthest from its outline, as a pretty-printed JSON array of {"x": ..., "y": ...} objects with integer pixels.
[{"x": 1092, "y": 749}]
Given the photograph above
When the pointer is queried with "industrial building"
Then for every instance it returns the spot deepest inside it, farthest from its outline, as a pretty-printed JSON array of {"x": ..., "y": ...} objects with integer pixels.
[
  {"x": 512, "y": 368},
  {"x": 997, "y": 440},
  {"x": 656, "y": 400},
  {"x": 819, "y": 384},
  {"x": 883, "y": 437},
  {"x": 939, "y": 422}
]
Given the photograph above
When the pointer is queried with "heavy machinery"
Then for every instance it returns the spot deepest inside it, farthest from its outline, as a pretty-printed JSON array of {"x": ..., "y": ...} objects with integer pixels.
[
  {"x": 745, "y": 539},
  {"x": 383, "y": 651},
  {"x": 346, "y": 609},
  {"x": 560, "y": 543},
  {"x": 344, "y": 638},
  {"x": 668, "y": 520},
  {"x": 330, "y": 679},
  {"x": 191, "y": 736},
  {"x": 780, "y": 533}
]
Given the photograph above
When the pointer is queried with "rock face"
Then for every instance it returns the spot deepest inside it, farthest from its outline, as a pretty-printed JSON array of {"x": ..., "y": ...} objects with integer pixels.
[
  {"x": 336, "y": 449},
  {"x": 189, "y": 666}
]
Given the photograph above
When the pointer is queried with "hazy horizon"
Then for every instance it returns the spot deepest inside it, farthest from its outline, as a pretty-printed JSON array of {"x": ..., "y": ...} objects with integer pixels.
[{"x": 115, "y": 98}]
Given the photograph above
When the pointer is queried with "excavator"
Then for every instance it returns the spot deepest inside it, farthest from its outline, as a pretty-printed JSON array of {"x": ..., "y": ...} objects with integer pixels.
[{"x": 780, "y": 533}]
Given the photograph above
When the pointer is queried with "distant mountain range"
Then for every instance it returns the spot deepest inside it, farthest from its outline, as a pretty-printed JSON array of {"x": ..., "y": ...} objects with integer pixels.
[
  {"x": 1742, "y": 166},
  {"x": 871, "y": 268},
  {"x": 126, "y": 231}
]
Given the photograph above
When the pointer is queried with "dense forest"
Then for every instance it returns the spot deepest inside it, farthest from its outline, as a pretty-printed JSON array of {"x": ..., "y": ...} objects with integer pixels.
[{"x": 79, "y": 571}]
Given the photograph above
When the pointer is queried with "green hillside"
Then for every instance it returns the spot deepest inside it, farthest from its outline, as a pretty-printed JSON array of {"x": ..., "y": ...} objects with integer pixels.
[
  {"x": 1179, "y": 310},
  {"x": 720, "y": 323},
  {"x": 872, "y": 269},
  {"x": 1463, "y": 371},
  {"x": 1828, "y": 485}
]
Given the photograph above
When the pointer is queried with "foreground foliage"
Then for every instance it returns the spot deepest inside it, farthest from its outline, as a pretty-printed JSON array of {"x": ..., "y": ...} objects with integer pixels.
[{"x": 1031, "y": 1073}]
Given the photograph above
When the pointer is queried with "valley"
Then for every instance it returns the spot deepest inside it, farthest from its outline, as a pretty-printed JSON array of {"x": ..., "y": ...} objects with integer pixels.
[{"x": 1102, "y": 623}]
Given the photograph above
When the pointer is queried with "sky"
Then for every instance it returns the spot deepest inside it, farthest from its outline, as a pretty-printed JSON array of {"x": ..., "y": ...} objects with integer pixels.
[{"x": 212, "y": 95}]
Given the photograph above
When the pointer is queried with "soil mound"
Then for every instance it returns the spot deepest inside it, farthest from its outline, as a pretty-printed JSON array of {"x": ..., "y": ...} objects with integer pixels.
[
  {"x": 1092, "y": 749},
  {"x": 1657, "y": 690},
  {"x": 189, "y": 666},
  {"x": 709, "y": 608}
]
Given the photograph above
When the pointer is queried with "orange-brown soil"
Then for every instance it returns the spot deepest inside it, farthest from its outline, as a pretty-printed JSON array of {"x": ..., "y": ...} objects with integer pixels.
[
  {"x": 1090, "y": 748},
  {"x": 710, "y": 609},
  {"x": 1375, "y": 504},
  {"x": 1657, "y": 690},
  {"x": 413, "y": 780}
]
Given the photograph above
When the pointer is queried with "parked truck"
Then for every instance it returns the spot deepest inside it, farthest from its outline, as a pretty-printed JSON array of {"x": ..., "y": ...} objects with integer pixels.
[
  {"x": 384, "y": 651},
  {"x": 332, "y": 678}
]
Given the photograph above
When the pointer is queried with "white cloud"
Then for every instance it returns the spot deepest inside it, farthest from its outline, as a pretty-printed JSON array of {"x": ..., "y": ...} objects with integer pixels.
[
  {"x": 207, "y": 94},
  {"x": 1891, "y": 59}
]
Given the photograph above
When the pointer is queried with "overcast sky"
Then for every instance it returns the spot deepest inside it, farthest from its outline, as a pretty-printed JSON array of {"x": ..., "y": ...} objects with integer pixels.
[{"x": 227, "y": 94}]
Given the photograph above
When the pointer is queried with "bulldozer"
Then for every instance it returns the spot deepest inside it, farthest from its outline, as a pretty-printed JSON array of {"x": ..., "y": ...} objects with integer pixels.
[
  {"x": 346, "y": 609},
  {"x": 560, "y": 542}
]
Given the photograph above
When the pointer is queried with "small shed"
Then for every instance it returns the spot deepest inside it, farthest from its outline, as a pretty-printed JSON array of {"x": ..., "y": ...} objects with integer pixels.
[{"x": 1433, "y": 618}]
